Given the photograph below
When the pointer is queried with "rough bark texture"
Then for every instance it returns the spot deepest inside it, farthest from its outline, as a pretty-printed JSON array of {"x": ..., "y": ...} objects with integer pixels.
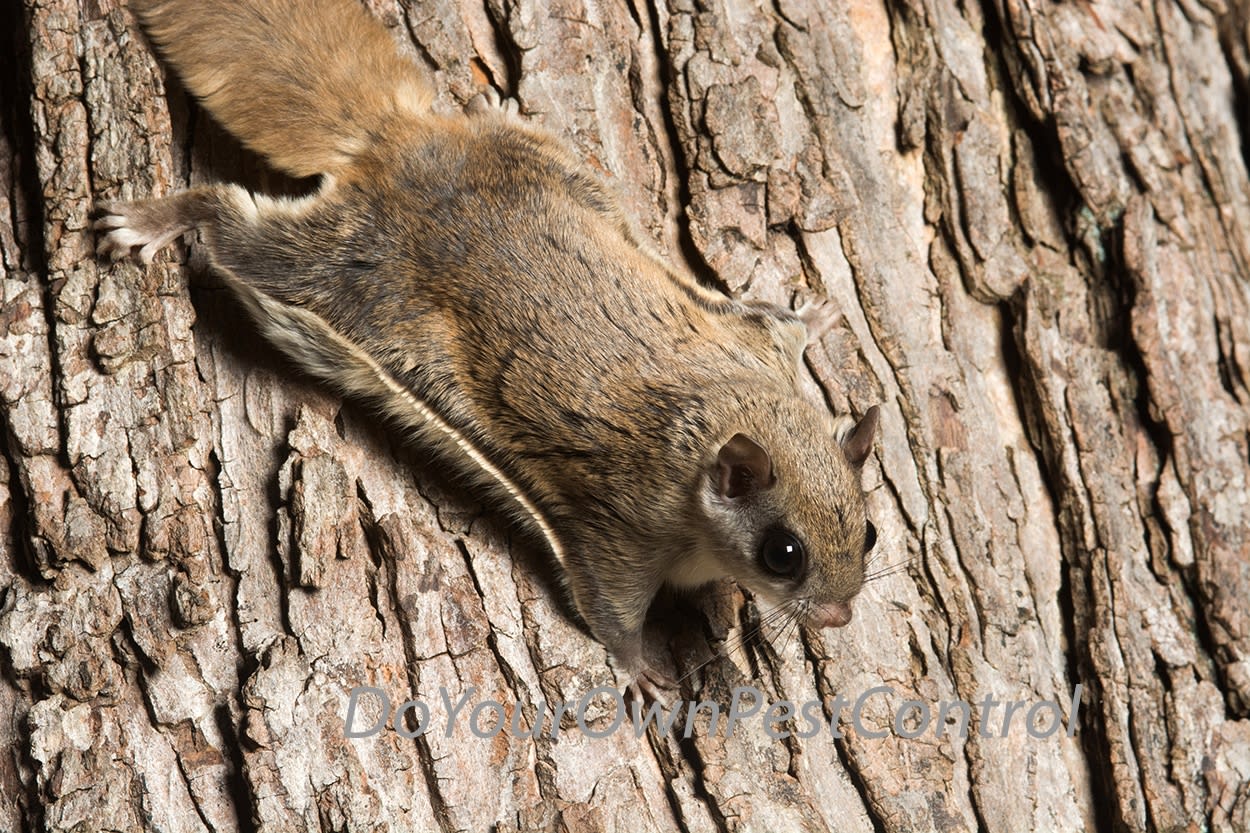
[{"x": 1034, "y": 217}]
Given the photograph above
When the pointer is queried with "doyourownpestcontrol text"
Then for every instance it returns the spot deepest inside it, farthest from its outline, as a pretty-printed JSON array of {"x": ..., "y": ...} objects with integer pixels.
[{"x": 603, "y": 711}]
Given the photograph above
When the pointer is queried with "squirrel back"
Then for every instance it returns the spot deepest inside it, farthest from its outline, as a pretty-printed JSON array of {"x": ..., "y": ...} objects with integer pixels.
[{"x": 267, "y": 70}]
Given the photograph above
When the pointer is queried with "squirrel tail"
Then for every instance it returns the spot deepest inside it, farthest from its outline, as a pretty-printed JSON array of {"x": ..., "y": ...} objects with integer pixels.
[{"x": 302, "y": 82}]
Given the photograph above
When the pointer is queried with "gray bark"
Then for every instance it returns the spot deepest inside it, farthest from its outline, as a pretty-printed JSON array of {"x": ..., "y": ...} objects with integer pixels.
[{"x": 1035, "y": 220}]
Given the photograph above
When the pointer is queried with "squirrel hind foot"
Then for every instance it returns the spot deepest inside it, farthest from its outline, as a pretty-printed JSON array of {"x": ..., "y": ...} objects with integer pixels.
[
  {"x": 489, "y": 102},
  {"x": 140, "y": 229}
]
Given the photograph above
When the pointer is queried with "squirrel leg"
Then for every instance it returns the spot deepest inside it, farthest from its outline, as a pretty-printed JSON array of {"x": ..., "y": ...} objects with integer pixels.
[
  {"x": 257, "y": 245},
  {"x": 272, "y": 245},
  {"x": 230, "y": 217},
  {"x": 615, "y": 610},
  {"x": 144, "y": 227}
]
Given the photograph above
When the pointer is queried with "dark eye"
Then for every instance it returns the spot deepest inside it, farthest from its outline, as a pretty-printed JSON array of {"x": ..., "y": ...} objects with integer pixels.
[
  {"x": 870, "y": 537},
  {"x": 781, "y": 554}
]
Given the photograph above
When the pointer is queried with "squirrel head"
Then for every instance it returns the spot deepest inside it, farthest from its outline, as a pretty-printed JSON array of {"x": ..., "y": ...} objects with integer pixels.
[{"x": 784, "y": 509}]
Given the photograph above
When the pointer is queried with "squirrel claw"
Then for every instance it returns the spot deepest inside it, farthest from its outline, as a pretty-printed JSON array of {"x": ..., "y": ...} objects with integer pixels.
[
  {"x": 820, "y": 316},
  {"x": 653, "y": 685},
  {"x": 490, "y": 101},
  {"x": 141, "y": 229}
]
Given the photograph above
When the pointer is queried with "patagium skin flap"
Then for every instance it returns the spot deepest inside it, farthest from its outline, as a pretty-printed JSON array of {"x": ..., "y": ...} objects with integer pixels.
[{"x": 473, "y": 280}]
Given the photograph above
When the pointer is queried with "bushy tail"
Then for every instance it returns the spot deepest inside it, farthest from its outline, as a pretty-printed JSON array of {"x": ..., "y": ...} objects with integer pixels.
[{"x": 303, "y": 82}]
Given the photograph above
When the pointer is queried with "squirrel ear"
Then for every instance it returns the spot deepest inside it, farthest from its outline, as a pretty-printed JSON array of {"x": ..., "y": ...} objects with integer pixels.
[
  {"x": 857, "y": 441},
  {"x": 744, "y": 467}
]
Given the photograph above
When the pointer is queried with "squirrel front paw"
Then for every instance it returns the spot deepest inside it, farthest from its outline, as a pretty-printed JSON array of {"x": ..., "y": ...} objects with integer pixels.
[
  {"x": 819, "y": 316},
  {"x": 652, "y": 684},
  {"x": 136, "y": 228},
  {"x": 642, "y": 680}
]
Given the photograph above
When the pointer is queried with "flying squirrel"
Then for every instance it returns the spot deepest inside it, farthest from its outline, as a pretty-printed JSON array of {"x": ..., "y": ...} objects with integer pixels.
[{"x": 469, "y": 277}]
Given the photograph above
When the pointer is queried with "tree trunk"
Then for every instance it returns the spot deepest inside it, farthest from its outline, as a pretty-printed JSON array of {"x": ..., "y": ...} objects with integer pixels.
[{"x": 1034, "y": 219}]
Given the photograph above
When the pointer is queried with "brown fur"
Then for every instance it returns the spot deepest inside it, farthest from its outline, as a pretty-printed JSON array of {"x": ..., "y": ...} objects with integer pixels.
[
  {"x": 477, "y": 283},
  {"x": 301, "y": 83}
]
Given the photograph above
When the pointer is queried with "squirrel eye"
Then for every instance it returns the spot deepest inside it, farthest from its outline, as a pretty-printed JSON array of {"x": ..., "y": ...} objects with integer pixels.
[
  {"x": 870, "y": 537},
  {"x": 781, "y": 554}
]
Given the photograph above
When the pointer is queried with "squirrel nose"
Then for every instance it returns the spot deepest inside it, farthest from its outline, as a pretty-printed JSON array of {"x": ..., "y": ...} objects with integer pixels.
[{"x": 833, "y": 615}]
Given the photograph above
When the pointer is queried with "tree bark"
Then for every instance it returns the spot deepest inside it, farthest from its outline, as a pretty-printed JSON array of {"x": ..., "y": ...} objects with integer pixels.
[{"x": 1035, "y": 221}]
